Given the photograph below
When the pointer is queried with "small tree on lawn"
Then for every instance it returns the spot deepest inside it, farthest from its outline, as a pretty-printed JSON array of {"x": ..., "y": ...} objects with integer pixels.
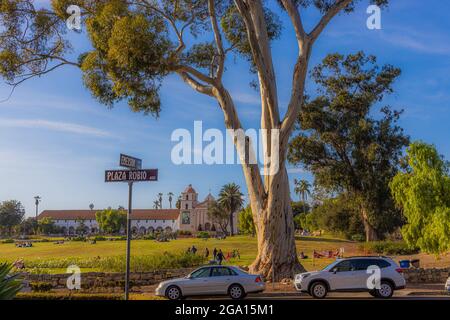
[
  {"x": 11, "y": 215},
  {"x": 423, "y": 193},
  {"x": 218, "y": 215}
]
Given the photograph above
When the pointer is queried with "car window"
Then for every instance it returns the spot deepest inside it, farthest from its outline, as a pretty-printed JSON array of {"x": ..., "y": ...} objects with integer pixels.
[
  {"x": 364, "y": 264},
  {"x": 361, "y": 264},
  {"x": 343, "y": 266},
  {"x": 201, "y": 273},
  {"x": 220, "y": 272},
  {"x": 380, "y": 263}
]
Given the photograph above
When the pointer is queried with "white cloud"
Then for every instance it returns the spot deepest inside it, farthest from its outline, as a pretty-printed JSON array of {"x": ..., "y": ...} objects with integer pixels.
[
  {"x": 246, "y": 98},
  {"x": 55, "y": 126}
]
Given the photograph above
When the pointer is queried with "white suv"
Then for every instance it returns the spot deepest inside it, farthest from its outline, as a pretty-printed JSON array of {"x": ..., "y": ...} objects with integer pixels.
[{"x": 353, "y": 274}]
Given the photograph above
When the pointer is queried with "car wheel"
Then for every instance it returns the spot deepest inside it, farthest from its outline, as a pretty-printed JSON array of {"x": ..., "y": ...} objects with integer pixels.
[
  {"x": 319, "y": 290},
  {"x": 236, "y": 292},
  {"x": 386, "y": 290},
  {"x": 173, "y": 293}
]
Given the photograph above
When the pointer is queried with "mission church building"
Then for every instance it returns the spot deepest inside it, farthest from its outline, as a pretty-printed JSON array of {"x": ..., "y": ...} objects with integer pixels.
[{"x": 192, "y": 216}]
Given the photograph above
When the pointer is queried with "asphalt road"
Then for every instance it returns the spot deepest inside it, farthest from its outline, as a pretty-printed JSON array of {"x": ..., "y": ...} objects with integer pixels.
[{"x": 334, "y": 296}]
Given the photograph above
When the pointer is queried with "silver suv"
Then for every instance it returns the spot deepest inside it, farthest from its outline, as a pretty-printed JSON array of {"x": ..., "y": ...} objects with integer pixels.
[{"x": 379, "y": 276}]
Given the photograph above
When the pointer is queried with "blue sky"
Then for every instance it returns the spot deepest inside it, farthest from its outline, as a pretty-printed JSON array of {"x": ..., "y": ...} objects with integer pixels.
[{"x": 56, "y": 140}]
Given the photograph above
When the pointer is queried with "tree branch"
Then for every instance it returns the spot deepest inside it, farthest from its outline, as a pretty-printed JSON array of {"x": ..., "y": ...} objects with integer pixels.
[
  {"x": 334, "y": 10},
  {"x": 297, "y": 22},
  {"x": 218, "y": 39}
]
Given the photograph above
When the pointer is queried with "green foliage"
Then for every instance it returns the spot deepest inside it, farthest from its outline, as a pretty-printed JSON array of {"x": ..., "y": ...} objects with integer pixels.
[
  {"x": 9, "y": 285},
  {"x": 341, "y": 141},
  {"x": 27, "y": 227},
  {"x": 339, "y": 216},
  {"x": 47, "y": 226},
  {"x": 11, "y": 215},
  {"x": 203, "y": 235},
  {"x": 389, "y": 248},
  {"x": 246, "y": 223},
  {"x": 111, "y": 220},
  {"x": 218, "y": 215},
  {"x": 151, "y": 263},
  {"x": 231, "y": 200},
  {"x": 423, "y": 193},
  {"x": 41, "y": 286},
  {"x": 299, "y": 207},
  {"x": 8, "y": 241}
]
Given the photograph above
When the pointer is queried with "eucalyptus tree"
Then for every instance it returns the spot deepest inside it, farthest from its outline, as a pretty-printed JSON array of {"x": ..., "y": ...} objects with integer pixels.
[{"x": 137, "y": 43}]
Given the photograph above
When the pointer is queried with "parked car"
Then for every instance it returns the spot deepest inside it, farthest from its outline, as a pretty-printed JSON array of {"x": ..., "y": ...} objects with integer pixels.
[
  {"x": 447, "y": 285},
  {"x": 351, "y": 275},
  {"x": 212, "y": 280}
]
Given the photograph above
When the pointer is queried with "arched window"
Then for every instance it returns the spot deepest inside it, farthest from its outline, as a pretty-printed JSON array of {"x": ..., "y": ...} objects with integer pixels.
[
  {"x": 207, "y": 226},
  {"x": 200, "y": 227},
  {"x": 187, "y": 207}
]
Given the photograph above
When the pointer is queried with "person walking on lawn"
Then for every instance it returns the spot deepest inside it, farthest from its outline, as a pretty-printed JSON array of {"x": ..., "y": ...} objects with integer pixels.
[
  {"x": 220, "y": 256},
  {"x": 194, "y": 249},
  {"x": 215, "y": 253},
  {"x": 206, "y": 253}
]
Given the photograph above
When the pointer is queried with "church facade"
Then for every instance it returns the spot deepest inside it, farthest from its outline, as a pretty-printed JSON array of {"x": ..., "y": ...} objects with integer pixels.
[{"x": 192, "y": 216}]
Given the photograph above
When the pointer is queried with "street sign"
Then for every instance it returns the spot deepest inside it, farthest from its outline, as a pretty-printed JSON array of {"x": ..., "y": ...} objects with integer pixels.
[
  {"x": 130, "y": 162},
  {"x": 134, "y": 173},
  {"x": 131, "y": 175}
]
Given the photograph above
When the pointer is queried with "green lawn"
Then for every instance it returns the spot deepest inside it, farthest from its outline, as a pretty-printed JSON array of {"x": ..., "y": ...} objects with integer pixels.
[{"x": 84, "y": 250}]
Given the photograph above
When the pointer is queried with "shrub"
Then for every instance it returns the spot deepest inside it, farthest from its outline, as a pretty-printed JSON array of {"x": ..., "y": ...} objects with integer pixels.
[
  {"x": 79, "y": 238},
  {"x": 203, "y": 235},
  {"x": 389, "y": 248},
  {"x": 358, "y": 238},
  {"x": 99, "y": 238},
  {"x": 41, "y": 286},
  {"x": 8, "y": 241},
  {"x": 149, "y": 237},
  {"x": 184, "y": 233},
  {"x": 150, "y": 263}
]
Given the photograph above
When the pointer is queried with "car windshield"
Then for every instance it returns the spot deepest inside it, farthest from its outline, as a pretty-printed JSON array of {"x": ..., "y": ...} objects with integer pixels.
[{"x": 331, "y": 265}]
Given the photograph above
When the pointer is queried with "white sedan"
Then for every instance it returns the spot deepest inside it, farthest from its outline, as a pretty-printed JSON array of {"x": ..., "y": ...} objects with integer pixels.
[{"x": 212, "y": 280}]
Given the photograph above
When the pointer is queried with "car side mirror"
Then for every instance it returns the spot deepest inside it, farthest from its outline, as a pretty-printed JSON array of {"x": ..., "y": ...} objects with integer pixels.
[{"x": 333, "y": 270}]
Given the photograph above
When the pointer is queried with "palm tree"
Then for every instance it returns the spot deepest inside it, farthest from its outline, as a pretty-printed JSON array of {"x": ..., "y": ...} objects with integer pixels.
[
  {"x": 155, "y": 204},
  {"x": 231, "y": 199},
  {"x": 9, "y": 284},
  {"x": 170, "y": 194},
  {"x": 91, "y": 206},
  {"x": 302, "y": 189},
  {"x": 160, "y": 195}
]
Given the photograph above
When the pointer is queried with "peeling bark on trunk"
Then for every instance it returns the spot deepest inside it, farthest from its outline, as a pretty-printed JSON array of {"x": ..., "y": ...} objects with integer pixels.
[{"x": 277, "y": 254}]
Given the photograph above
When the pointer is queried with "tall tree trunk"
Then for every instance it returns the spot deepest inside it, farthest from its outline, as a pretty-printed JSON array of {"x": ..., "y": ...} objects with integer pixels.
[
  {"x": 231, "y": 224},
  {"x": 277, "y": 254},
  {"x": 370, "y": 231}
]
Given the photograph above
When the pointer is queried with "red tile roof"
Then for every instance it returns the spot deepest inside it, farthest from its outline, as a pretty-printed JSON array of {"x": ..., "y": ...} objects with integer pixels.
[{"x": 142, "y": 214}]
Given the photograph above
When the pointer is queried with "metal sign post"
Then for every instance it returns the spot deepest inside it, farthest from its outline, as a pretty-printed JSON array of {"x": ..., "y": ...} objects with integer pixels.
[
  {"x": 127, "y": 272},
  {"x": 134, "y": 173}
]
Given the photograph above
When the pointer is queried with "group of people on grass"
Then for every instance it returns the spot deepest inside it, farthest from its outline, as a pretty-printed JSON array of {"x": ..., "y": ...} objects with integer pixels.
[{"x": 217, "y": 254}]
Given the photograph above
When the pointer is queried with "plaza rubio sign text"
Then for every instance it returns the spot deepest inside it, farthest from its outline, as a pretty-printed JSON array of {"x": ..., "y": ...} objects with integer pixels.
[{"x": 131, "y": 175}]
